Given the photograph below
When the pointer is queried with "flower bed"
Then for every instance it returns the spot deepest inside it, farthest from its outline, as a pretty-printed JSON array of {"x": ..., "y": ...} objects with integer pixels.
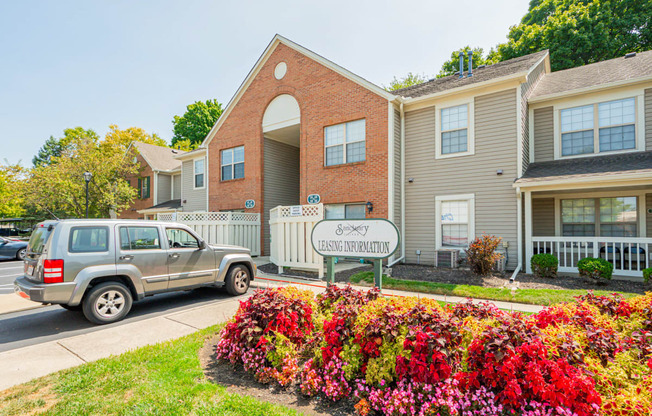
[{"x": 405, "y": 356}]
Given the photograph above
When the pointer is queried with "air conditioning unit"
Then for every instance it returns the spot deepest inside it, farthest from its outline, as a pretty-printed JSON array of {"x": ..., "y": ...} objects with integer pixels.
[
  {"x": 499, "y": 266},
  {"x": 448, "y": 258}
]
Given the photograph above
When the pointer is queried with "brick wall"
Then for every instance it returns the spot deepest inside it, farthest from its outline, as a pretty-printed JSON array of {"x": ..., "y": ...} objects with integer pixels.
[
  {"x": 132, "y": 211},
  {"x": 325, "y": 98}
]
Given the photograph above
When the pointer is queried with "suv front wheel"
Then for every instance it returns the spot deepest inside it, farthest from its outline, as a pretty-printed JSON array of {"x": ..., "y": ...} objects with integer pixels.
[
  {"x": 107, "y": 302},
  {"x": 237, "y": 280}
]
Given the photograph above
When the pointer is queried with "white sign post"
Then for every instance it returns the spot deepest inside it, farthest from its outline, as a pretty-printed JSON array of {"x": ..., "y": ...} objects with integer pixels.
[{"x": 374, "y": 239}]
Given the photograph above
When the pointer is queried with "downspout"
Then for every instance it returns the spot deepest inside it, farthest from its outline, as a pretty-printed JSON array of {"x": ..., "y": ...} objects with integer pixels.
[
  {"x": 519, "y": 234},
  {"x": 402, "y": 179}
]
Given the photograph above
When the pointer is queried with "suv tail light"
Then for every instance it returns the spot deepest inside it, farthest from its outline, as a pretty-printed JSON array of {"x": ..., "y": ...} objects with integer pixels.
[{"x": 52, "y": 271}]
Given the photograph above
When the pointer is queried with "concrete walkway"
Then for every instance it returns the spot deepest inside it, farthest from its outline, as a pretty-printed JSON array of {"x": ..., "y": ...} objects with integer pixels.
[{"x": 24, "y": 364}]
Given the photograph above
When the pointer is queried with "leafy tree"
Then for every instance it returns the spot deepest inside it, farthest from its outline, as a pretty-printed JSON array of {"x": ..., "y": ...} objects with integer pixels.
[
  {"x": 59, "y": 186},
  {"x": 196, "y": 122},
  {"x": 119, "y": 140},
  {"x": 11, "y": 191},
  {"x": 580, "y": 32},
  {"x": 185, "y": 145},
  {"x": 407, "y": 81},
  {"x": 451, "y": 66},
  {"x": 54, "y": 147}
]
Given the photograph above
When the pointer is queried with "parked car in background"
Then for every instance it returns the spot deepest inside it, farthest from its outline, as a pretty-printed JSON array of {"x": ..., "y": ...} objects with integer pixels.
[
  {"x": 13, "y": 232},
  {"x": 12, "y": 249},
  {"x": 102, "y": 266}
]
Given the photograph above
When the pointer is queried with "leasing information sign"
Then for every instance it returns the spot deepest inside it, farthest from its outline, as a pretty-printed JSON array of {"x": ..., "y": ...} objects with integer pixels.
[{"x": 367, "y": 238}]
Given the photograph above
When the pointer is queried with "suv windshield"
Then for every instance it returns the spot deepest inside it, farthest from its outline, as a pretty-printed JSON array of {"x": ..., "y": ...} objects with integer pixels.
[{"x": 39, "y": 238}]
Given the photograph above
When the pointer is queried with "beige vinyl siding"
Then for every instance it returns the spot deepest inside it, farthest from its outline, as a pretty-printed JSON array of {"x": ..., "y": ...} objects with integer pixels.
[
  {"x": 281, "y": 184},
  {"x": 195, "y": 199},
  {"x": 397, "y": 174},
  {"x": 648, "y": 215},
  {"x": 526, "y": 89},
  {"x": 176, "y": 185},
  {"x": 495, "y": 198},
  {"x": 648, "y": 119},
  {"x": 543, "y": 217},
  {"x": 163, "y": 188},
  {"x": 543, "y": 140}
]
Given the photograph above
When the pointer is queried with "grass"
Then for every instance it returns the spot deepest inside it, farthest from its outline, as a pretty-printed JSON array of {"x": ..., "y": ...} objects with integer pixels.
[
  {"x": 544, "y": 297},
  {"x": 160, "y": 379}
]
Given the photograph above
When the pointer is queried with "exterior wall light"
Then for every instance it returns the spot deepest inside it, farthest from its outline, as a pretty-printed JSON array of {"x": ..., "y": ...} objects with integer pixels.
[
  {"x": 370, "y": 207},
  {"x": 499, "y": 172}
]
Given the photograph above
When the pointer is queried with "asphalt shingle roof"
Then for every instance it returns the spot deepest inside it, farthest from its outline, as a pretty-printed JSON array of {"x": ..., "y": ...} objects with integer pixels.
[
  {"x": 613, "y": 70},
  {"x": 159, "y": 157},
  {"x": 497, "y": 70},
  {"x": 588, "y": 166},
  {"x": 173, "y": 203}
]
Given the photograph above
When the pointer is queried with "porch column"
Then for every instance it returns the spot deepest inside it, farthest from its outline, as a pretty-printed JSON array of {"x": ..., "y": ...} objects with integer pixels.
[{"x": 528, "y": 230}]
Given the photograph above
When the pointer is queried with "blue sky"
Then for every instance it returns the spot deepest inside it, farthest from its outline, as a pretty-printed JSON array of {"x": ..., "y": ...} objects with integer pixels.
[{"x": 139, "y": 63}]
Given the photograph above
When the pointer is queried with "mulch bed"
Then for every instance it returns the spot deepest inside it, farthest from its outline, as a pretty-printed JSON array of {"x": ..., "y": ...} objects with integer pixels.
[
  {"x": 524, "y": 281},
  {"x": 340, "y": 277},
  {"x": 238, "y": 381}
]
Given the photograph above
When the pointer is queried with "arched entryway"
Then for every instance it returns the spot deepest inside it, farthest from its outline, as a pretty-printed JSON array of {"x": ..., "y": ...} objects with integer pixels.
[{"x": 281, "y": 157}]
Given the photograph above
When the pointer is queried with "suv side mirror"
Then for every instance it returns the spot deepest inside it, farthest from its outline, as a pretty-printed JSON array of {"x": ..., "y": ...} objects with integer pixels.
[{"x": 202, "y": 245}]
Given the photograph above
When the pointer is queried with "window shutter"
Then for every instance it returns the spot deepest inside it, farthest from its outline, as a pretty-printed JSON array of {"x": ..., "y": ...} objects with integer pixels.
[
  {"x": 148, "y": 191},
  {"x": 140, "y": 188}
]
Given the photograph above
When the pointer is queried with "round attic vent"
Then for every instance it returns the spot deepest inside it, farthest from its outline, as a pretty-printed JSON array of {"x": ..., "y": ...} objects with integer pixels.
[{"x": 280, "y": 70}]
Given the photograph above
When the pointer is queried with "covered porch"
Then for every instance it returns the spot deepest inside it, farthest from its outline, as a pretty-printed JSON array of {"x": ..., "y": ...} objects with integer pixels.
[{"x": 597, "y": 207}]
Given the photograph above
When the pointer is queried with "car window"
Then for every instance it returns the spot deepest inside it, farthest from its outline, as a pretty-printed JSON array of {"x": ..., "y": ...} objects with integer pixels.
[
  {"x": 39, "y": 238},
  {"x": 178, "y": 238},
  {"x": 89, "y": 239},
  {"x": 139, "y": 238}
]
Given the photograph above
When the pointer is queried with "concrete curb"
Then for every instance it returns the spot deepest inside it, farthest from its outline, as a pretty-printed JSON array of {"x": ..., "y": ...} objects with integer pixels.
[{"x": 11, "y": 302}]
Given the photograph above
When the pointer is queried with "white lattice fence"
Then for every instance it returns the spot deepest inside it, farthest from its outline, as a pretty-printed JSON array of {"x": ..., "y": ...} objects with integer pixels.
[
  {"x": 291, "y": 228},
  {"x": 236, "y": 228}
]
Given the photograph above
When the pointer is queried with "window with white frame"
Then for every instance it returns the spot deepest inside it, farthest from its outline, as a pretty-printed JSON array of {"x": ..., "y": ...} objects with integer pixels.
[
  {"x": 233, "y": 163},
  {"x": 455, "y": 222},
  {"x": 615, "y": 128},
  {"x": 454, "y": 129},
  {"x": 345, "y": 143},
  {"x": 607, "y": 217},
  {"x": 199, "y": 169}
]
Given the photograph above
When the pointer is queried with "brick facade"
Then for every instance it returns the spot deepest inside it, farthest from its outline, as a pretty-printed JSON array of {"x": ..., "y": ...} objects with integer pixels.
[
  {"x": 325, "y": 98},
  {"x": 138, "y": 204}
]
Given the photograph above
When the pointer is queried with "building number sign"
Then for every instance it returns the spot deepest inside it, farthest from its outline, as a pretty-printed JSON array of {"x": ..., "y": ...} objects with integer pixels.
[{"x": 314, "y": 198}]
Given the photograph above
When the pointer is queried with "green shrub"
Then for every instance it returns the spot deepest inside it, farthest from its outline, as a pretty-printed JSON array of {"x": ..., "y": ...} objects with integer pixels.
[
  {"x": 595, "y": 268},
  {"x": 481, "y": 254},
  {"x": 544, "y": 265},
  {"x": 647, "y": 274}
]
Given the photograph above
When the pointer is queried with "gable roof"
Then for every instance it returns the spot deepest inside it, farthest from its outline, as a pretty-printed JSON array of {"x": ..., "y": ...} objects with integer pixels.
[
  {"x": 276, "y": 40},
  {"x": 604, "y": 166},
  {"x": 594, "y": 75},
  {"x": 158, "y": 157},
  {"x": 510, "y": 67}
]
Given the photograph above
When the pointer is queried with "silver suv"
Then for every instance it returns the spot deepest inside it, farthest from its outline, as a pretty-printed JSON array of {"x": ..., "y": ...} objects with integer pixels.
[{"x": 101, "y": 266}]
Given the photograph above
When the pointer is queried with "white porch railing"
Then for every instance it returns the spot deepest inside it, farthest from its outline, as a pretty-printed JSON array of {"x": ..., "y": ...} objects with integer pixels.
[
  {"x": 629, "y": 255},
  {"x": 236, "y": 228},
  {"x": 291, "y": 228}
]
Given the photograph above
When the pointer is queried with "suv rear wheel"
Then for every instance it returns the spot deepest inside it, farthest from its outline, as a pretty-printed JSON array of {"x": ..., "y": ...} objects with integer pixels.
[
  {"x": 107, "y": 302},
  {"x": 237, "y": 280}
]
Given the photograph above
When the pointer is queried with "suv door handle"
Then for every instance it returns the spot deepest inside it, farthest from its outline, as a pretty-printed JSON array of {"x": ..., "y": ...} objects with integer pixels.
[
  {"x": 174, "y": 255},
  {"x": 127, "y": 257}
]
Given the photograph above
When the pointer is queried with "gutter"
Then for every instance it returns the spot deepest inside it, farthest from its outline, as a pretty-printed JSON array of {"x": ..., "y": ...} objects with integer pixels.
[
  {"x": 519, "y": 234},
  {"x": 518, "y": 269},
  {"x": 402, "y": 112}
]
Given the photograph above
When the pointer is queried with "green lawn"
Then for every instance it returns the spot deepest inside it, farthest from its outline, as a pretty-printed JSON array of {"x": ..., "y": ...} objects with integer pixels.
[
  {"x": 531, "y": 296},
  {"x": 163, "y": 379}
]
